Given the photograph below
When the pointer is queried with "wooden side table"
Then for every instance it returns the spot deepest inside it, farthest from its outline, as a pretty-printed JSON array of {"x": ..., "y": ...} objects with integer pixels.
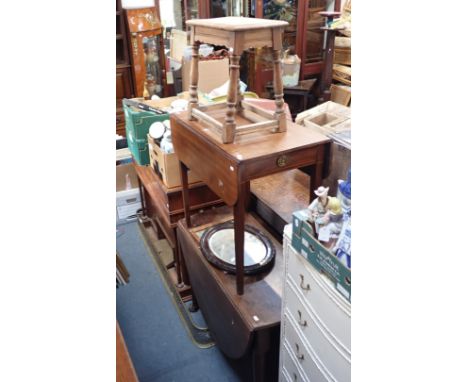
[
  {"x": 165, "y": 207},
  {"x": 238, "y": 33},
  {"x": 227, "y": 169}
]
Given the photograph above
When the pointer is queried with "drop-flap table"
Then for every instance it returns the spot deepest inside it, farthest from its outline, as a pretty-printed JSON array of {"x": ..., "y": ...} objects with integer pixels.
[{"x": 227, "y": 169}]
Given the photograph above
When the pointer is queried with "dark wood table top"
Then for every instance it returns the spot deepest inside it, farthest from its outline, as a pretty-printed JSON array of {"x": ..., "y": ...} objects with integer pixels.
[{"x": 250, "y": 147}]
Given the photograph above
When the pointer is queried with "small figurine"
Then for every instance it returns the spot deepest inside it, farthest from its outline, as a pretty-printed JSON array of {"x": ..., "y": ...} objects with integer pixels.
[
  {"x": 344, "y": 194},
  {"x": 318, "y": 207},
  {"x": 329, "y": 225},
  {"x": 334, "y": 217}
]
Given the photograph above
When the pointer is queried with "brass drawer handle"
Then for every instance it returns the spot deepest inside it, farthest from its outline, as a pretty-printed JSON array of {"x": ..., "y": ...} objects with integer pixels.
[
  {"x": 300, "y": 357},
  {"x": 307, "y": 287},
  {"x": 302, "y": 323},
  {"x": 281, "y": 161}
]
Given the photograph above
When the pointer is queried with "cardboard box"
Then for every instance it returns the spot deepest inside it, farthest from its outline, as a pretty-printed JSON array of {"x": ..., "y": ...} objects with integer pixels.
[
  {"x": 162, "y": 103},
  {"x": 211, "y": 74},
  {"x": 331, "y": 119},
  {"x": 327, "y": 117},
  {"x": 321, "y": 258},
  {"x": 177, "y": 44},
  {"x": 167, "y": 166},
  {"x": 128, "y": 200}
]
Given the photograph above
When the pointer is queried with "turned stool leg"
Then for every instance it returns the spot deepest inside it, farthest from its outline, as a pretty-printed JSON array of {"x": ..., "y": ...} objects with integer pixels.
[
  {"x": 240, "y": 97},
  {"x": 278, "y": 88},
  {"x": 229, "y": 128},
  {"x": 193, "y": 79}
]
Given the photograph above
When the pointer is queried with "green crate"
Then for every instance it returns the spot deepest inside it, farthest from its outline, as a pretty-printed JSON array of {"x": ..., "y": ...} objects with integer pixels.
[
  {"x": 304, "y": 242},
  {"x": 300, "y": 222},
  {"x": 139, "y": 152},
  {"x": 138, "y": 122},
  {"x": 137, "y": 125}
]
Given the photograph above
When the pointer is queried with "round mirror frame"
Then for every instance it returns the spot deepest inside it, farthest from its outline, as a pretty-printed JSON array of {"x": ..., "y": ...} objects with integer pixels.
[{"x": 265, "y": 264}]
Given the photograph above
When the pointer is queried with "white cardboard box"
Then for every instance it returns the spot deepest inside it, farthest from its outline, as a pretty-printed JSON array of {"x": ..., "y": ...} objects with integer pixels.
[{"x": 128, "y": 200}]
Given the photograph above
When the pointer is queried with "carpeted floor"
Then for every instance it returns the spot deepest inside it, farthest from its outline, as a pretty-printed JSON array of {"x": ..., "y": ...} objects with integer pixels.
[{"x": 159, "y": 345}]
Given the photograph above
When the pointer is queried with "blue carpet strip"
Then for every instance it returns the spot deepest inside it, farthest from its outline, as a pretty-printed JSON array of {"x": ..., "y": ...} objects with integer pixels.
[
  {"x": 156, "y": 339},
  {"x": 199, "y": 335}
]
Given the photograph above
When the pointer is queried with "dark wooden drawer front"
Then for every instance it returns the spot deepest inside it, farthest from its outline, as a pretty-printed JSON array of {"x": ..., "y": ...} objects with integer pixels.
[{"x": 272, "y": 164}]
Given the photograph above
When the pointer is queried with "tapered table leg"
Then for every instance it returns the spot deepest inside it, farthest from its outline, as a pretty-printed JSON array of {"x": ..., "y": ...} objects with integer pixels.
[
  {"x": 142, "y": 197},
  {"x": 239, "y": 224},
  {"x": 178, "y": 262},
  {"x": 183, "y": 266},
  {"x": 316, "y": 178},
  {"x": 185, "y": 193}
]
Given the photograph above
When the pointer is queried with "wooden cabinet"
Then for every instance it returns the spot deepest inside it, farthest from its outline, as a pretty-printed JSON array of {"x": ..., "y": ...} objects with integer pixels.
[
  {"x": 206, "y": 9},
  {"x": 123, "y": 90},
  {"x": 124, "y": 82},
  {"x": 147, "y": 52},
  {"x": 303, "y": 33},
  {"x": 315, "y": 323}
]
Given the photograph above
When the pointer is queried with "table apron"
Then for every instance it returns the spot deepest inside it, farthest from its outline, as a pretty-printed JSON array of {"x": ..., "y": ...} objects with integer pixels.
[{"x": 281, "y": 162}]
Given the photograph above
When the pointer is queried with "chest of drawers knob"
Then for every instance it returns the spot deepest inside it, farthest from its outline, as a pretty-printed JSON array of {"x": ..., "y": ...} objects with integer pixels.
[
  {"x": 302, "y": 323},
  {"x": 300, "y": 357},
  {"x": 306, "y": 287}
]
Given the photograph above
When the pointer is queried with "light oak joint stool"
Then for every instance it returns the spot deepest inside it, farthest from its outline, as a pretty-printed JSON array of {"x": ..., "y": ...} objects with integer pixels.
[{"x": 236, "y": 117}]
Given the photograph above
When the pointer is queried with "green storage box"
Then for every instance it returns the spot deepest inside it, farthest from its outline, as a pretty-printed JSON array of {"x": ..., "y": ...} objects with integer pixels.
[
  {"x": 140, "y": 153},
  {"x": 304, "y": 242},
  {"x": 137, "y": 125}
]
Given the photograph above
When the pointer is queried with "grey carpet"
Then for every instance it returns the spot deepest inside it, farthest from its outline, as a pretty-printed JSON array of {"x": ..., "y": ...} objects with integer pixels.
[{"x": 158, "y": 343}]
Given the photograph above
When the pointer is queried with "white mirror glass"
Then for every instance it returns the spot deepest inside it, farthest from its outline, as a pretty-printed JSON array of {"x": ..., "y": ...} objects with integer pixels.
[{"x": 221, "y": 244}]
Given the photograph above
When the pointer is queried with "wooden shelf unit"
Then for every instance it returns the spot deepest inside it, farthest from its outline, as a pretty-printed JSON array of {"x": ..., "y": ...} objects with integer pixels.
[{"x": 123, "y": 75}]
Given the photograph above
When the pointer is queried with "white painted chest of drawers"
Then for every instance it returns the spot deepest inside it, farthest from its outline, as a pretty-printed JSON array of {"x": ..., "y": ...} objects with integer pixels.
[{"x": 315, "y": 323}]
